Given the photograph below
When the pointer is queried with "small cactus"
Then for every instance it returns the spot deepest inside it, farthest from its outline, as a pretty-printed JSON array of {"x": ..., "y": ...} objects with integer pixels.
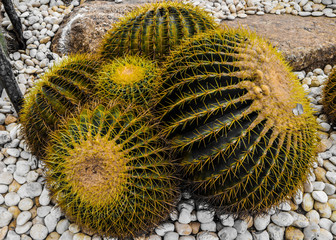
[
  {"x": 109, "y": 171},
  {"x": 60, "y": 91},
  {"x": 154, "y": 29},
  {"x": 131, "y": 78},
  {"x": 329, "y": 96},
  {"x": 240, "y": 120}
]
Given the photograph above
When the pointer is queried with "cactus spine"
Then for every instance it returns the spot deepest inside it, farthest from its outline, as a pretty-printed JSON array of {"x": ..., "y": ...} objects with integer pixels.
[
  {"x": 60, "y": 91},
  {"x": 230, "y": 108},
  {"x": 329, "y": 96},
  {"x": 132, "y": 78},
  {"x": 154, "y": 29},
  {"x": 109, "y": 171}
]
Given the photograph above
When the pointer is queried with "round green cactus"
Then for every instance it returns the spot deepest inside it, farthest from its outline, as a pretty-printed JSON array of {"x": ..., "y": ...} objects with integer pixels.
[
  {"x": 154, "y": 29},
  {"x": 60, "y": 91},
  {"x": 240, "y": 120},
  {"x": 109, "y": 171},
  {"x": 329, "y": 96},
  {"x": 133, "y": 79}
]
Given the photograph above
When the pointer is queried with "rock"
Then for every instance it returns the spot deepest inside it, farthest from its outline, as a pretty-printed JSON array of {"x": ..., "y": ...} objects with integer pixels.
[
  {"x": 67, "y": 235},
  {"x": 282, "y": 219},
  {"x": 207, "y": 236},
  {"x": 5, "y": 217},
  {"x": 244, "y": 236},
  {"x": 162, "y": 229},
  {"x": 23, "y": 217},
  {"x": 313, "y": 216},
  {"x": 275, "y": 232},
  {"x": 195, "y": 226},
  {"x": 311, "y": 232},
  {"x": 331, "y": 176},
  {"x": 21, "y": 229},
  {"x": 51, "y": 221},
  {"x": 82, "y": 30},
  {"x": 81, "y": 236},
  {"x": 227, "y": 220},
  {"x": 308, "y": 202},
  {"x": 12, "y": 199},
  {"x": 185, "y": 216},
  {"x": 11, "y": 235},
  {"x": 262, "y": 221},
  {"x": 260, "y": 235},
  {"x": 300, "y": 220},
  {"x": 205, "y": 216},
  {"x": 240, "y": 226},
  {"x": 62, "y": 226},
  {"x": 30, "y": 190},
  {"x": 4, "y": 137},
  {"x": 15, "y": 211},
  {"x": 183, "y": 229},
  {"x": 154, "y": 237},
  {"x": 3, "y": 232},
  {"x": 293, "y": 233},
  {"x": 282, "y": 31},
  {"x": 333, "y": 228},
  {"x": 210, "y": 226},
  {"x": 38, "y": 232},
  {"x": 171, "y": 236},
  {"x": 323, "y": 208},
  {"x": 325, "y": 223},
  {"x": 227, "y": 233},
  {"x": 25, "y": 204},
  {"x": 6, "y": 178},
  {"x": 53, "y": 236},
  {"x": 329, "y": 189},
  {"x": 324, "y": 235},
  {"x": 44, "y": 198}
]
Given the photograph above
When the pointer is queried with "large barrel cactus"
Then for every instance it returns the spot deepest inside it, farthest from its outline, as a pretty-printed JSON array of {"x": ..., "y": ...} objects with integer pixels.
[
  {"x": 60, "y": 91},
  {"x": 239, "y": 118},
  {"x": 329, "y": 96},
  {"x": 109, "y": 171},
  {"x": 133, "y": 79},
  {"x": 154, "y": 29}
]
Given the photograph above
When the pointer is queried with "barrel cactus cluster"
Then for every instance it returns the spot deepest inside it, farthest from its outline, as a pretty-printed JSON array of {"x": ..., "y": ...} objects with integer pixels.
[{"x": 169, "y": 102}]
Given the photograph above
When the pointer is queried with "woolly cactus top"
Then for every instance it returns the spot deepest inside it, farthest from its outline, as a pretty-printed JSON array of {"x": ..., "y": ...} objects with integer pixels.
[{"x": 329, "y": 96}]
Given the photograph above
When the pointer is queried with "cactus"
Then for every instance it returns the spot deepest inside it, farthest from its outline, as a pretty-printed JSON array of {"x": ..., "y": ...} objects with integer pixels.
[
  {"x": 133, "y": 79},
  {"x": 154, "y": 29},
  {"x": 329, "y": 95},
  {"x": 109, "y": 171},
  {"x": 60, "y": 91},
  {"x": 240, "y": 120}
]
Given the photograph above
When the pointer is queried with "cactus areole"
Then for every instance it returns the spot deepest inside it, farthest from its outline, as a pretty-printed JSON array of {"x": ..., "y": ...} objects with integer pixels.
[{"x": 239, "y": 118}]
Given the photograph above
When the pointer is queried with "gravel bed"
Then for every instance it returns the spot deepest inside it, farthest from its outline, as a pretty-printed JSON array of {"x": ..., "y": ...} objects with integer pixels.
[{"x": 26, "y": 211}]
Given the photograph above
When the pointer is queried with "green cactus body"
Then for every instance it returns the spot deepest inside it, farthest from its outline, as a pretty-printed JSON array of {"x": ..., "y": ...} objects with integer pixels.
[
  {"x": 231, "y": 107},
  {"x": 59, "y": 92},
  {"x": 133, "y": 79},
  {"x": 109, "y": 171},
  {"x": 154, "y": 29},
  {"x": 329, "y": 96}
]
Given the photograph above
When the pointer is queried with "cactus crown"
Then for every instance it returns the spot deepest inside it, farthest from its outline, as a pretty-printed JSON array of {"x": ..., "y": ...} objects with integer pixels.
[
  {"x": 60, "y": 91},
  {"x": 229, "y": 106},
  {"x": 154, "y": 29},
  {"x": 329, "y": 96},
  {"x": 109, "y": 171},
  {"x": 133, "y": 79}
]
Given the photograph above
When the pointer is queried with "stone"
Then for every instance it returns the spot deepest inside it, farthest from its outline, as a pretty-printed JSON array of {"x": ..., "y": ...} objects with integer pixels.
[
  {"x": 15, "y": 211},
  {"x": 331, "y": 176},
  {"x": 282, "y": 219},
  {"x": 185, "y": 216},
  {"x": 81, "y": 236},
  {"x": 82, "y": 30},
  {"x": 307, "y": 52},
  {"x": 195, "y": 226},
  {"x": 155, "y": 237},
  {"x": 30, "y": 190},
  {"x": 275, "y": 232},
  {"x": 171, "y": 236},
  {"x": 313, "y": 216},
  {"x": 205, "y": 216},
  {"x": 204, "y": 235},
  {"x": 50, "y": 222},
  {"x": 240, "y": 226},
  {"x": 44, "y": 199},
  {"x": 12, "y": 199},
  {"x": 293, "y": 233},
  {"x": 3, "y": 232},
  {"x": 323, "y": 208},
  {"x": 12, "y": 235},
  {"x": 187, "y": 238},
  {"x": 162, "y": 229},
  {"x": 21, "y": 229},
  {"x": 4, "y": 137},
  {"x": 329, "y": 189},
  {"x": 23, "y": 217},
  {"x": 300, "y": 220},
  {"x": 53, "y": 236},
  {"x": 62, "y": 226},
  {"x": 260, "y": 235},
  {"x": 333, "y": 228},
  {"x": 262, "y": 221},
  {"x": 324, "y": 235},
  {"x": 210, "y": 226},
  {"x": 74, "y": 228},
  {"x": 227, "y": 220},
  {"x": 227, "y": 233},
  {"x": 183, "y": 229},
  {"x": 5, "y": 217},
  {"x": 38, "y": 232},
  {"x": 25, "y": 204},
  {"x": 325, "y": 223},
  {"x": 308, "y": 202},
  {"x": 244, "y": 236}
]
